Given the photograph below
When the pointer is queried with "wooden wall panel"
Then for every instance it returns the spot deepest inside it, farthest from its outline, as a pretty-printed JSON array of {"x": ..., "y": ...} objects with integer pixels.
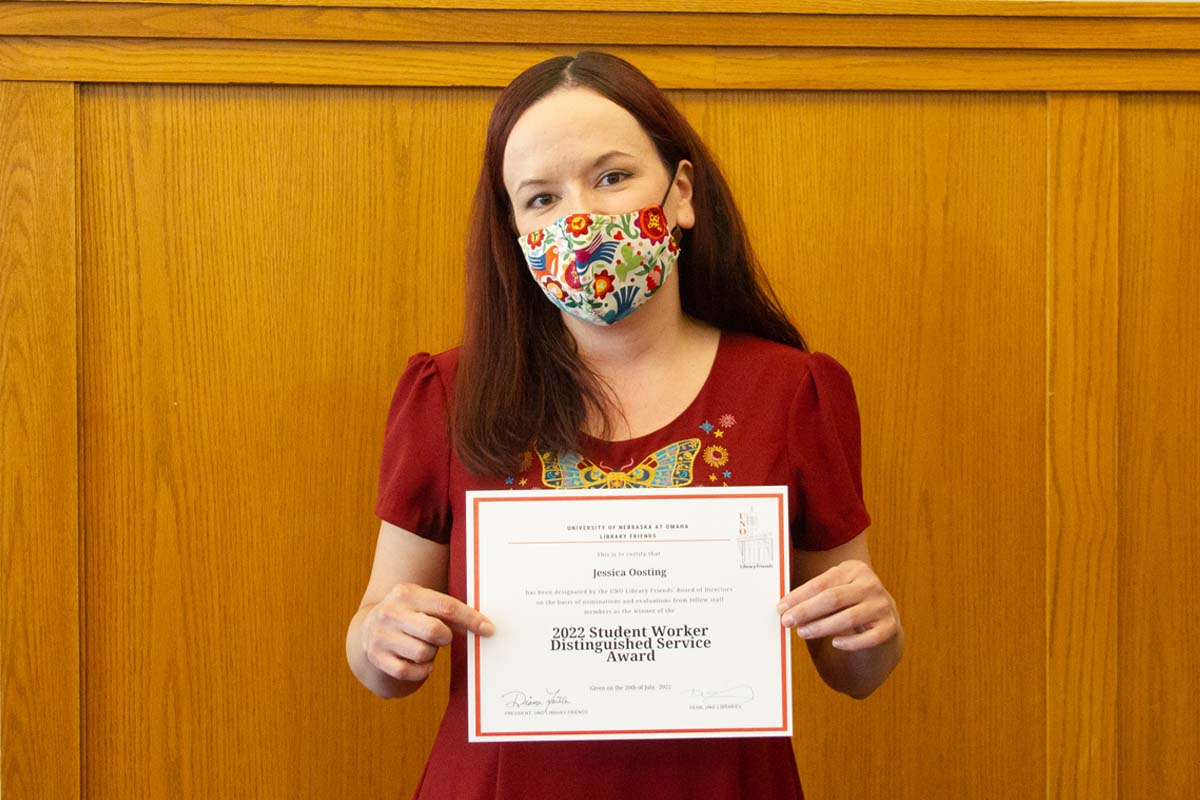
[
  {"x": 1159, "y": 469},
  {"x": 39, "y": 482},
  {"x": 906, "y": 233},
  {"x": 258, "y": 263},
  {"x": 1081, "y": 454},
  {"x": 223, "y": 290},
  {"x": 1010, "y": 277}
]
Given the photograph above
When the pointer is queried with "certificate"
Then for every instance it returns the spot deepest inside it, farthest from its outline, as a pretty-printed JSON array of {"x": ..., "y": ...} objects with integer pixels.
[{"x": 628, "y": 613}]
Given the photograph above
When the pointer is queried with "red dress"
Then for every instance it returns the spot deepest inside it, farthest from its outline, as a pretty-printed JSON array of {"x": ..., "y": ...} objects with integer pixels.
[{"x": 768, "y": 414}]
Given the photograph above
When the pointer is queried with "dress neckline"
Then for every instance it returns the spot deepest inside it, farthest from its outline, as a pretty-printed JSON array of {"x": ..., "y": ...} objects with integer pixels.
[{"x": 714, "y": 368}]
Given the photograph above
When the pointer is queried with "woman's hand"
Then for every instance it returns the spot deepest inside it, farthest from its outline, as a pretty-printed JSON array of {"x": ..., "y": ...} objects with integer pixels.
[
  {"x": 402, "y": 633},
  {"x": 846, "y": 601}
]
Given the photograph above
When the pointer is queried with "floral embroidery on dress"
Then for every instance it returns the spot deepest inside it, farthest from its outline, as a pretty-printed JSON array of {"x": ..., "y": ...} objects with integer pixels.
[
  {"x": 666, "y": 467},
  {"x": 520, "y": 478},
  {"x": 716, "y": 456}
]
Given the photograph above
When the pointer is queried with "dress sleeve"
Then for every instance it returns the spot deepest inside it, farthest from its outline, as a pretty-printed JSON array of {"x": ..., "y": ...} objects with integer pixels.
[
  {"x": 414, "y": 473},
  {"x": 825, "y": 456}
]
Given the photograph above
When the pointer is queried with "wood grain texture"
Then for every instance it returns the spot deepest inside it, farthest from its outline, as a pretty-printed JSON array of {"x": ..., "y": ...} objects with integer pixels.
[
  {"x": 1081, "y": 446},
  {"x": 268, "y": 22},
  {"x": 39, "y": 481},
  {"x": 1044, "y": 8},
  {"x": 483, "y": 65},
  {"x": 1159, "y": 469},
  {"x": 259, "y": 263},
  {"x": 890, "y": 224}
]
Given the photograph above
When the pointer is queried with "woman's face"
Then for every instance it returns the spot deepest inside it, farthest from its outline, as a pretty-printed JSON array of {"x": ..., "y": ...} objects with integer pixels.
[{"x": 575, "y": 151}]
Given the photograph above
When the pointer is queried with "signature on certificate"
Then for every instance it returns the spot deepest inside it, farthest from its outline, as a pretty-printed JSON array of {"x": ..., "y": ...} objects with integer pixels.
[
  {"x": 537, "y": 703},
  {"x": 739, "y": 693}
]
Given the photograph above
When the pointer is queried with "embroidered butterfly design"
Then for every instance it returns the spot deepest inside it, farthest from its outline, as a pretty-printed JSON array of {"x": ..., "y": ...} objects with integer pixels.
[{"x": 665, "y": 467}]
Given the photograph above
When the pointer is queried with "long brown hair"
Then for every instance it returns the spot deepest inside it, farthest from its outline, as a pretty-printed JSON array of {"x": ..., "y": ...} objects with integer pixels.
[{"x": 519, "y": 379}]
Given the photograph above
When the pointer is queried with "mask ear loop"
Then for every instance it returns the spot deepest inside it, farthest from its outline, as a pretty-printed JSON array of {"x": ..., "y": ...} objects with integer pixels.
[
  {"x": 670, "y": 184},
  {"x": 661, "y": 205}
]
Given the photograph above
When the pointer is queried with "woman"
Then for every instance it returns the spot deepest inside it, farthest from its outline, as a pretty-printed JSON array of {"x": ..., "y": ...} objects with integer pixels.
[{"x": 618, "y": 333}]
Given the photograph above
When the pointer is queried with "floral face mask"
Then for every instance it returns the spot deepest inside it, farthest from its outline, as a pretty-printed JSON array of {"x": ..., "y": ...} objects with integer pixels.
[{"x": 601, "y": 267}]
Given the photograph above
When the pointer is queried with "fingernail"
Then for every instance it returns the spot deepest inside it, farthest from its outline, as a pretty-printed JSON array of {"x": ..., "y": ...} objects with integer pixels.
[
  {"x": 788, "y": 622},
  {"x": 486, "y": 628},
  {"x": 804, "y": 632}
]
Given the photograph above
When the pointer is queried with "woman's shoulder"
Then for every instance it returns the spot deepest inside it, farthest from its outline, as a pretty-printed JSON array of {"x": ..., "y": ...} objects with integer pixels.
[
  {"x": 426, "y": 385},
  {"x": 442, "y": 365},
  {"x": 751, "y": 352}
]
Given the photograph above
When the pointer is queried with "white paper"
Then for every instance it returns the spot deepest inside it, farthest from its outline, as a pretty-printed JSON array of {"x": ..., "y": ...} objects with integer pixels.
[{"x": 628, "y": 613}]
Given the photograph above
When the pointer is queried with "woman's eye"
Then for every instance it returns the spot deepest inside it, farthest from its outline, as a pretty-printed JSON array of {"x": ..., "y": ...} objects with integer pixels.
[
  {"x": 614, "y": 177},
  {"x": 540, "y": 201}
]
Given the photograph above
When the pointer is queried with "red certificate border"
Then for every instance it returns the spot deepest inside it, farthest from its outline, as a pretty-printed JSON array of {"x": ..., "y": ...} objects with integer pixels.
[{"x": 784, "y": 674}]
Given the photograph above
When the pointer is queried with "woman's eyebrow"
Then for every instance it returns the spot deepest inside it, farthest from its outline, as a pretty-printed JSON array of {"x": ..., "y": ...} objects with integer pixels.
[
  {"x": 611, "y": 154},
  {"x": 531, "y": 182}
]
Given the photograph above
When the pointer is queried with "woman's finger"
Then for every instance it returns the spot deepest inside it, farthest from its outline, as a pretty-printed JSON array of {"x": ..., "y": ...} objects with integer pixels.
[
  {"x": 411, "y": 648},
  {"x": 453, "y": 612},
  {"x": 845, "y": 572},
  {"x": 387, "y": 646},
  {"x": 401, "y": 668},
  {"x": 828, "y": 602},
  {"x": 869, "y": 636},
  {"x": 842, "y": 622},
  {"x": 426, "y": 628}
]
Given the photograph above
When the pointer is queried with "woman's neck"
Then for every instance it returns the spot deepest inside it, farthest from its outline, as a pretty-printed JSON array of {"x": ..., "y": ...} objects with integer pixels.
[
  {"x": 650, "y": 336},
  {"x": 646, "y": 361}
]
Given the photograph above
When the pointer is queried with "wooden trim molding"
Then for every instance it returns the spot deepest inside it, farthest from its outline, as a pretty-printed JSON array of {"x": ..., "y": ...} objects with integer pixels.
[
  {"x": 491, "y": 26},
  {"x": 915, "y": 45},
  {"x": 941, "y": 8},
  {"x": 402, "y": 64}
]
